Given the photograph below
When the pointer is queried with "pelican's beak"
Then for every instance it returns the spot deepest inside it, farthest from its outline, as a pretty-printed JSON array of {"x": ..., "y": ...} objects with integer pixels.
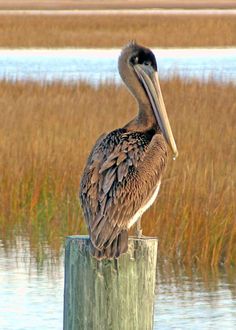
[{"x": 149, "y": 78}]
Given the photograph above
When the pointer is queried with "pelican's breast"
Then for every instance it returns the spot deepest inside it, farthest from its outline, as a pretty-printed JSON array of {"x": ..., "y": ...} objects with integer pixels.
[{"x": 144, "y": 207}]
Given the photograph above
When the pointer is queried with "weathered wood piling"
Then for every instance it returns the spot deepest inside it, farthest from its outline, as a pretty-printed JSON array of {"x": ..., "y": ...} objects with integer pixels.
[{"x": 109, "y": 294}]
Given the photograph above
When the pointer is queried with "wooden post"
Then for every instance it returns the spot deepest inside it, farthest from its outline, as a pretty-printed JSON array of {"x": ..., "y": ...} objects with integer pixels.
[{"x": 109, "y": 294}]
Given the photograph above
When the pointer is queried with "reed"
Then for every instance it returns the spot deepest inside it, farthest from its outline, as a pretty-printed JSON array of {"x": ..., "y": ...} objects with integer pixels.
[
  {"x": 47, "y": 130},
  {"x": 114, "y": 4},
  {"x": 115, "y": 31}
]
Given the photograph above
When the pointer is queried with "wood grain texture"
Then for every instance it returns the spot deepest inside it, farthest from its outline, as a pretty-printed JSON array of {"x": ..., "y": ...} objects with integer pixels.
[{"x": 117, "y": 294}]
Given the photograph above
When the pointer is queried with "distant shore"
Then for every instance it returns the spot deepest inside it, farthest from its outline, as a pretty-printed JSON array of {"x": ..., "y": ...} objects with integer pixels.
[
  {"x": 123, "y": 12},
  {"x": 105, "y": 31},
  {"x": 115, "y": 4}
]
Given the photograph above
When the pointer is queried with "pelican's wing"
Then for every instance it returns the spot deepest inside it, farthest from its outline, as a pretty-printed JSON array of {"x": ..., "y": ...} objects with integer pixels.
[{"x": 111, "y": 189}]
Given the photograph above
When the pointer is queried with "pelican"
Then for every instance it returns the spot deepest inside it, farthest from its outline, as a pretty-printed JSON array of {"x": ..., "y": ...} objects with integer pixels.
[{"x": 122, "y": 177}]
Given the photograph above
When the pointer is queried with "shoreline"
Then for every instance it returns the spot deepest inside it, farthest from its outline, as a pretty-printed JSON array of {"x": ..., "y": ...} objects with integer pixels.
[
  {"x": 104, "y": 12},
  {"x": 113, "y": 50}
]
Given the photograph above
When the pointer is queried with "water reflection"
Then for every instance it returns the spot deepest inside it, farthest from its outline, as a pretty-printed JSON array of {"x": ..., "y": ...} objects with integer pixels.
[
  {"x": 32, "y": 296},
  {"x": 195, "y": 299}
]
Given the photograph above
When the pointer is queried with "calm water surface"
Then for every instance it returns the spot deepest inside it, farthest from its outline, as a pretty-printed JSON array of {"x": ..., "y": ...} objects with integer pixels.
[
  {"x": 95, "y": 65},
  {"x": 32, "y": 296}
]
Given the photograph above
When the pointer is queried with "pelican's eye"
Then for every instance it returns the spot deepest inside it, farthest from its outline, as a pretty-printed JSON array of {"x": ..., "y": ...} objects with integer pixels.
[{"x": 134, "y": 60}]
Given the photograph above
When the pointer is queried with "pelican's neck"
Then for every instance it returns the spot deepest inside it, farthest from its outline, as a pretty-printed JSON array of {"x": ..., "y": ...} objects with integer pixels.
[{"x": 145, "y": 118}]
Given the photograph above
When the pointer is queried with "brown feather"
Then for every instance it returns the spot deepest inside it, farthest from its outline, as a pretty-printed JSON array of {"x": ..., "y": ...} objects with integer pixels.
[{"x": 110, "y": 195}]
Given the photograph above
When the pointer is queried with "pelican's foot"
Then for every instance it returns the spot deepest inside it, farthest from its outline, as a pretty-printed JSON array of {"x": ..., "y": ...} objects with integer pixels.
[
  {"x": 139, "y": 233},
  {"x": 138, "y": 229}
]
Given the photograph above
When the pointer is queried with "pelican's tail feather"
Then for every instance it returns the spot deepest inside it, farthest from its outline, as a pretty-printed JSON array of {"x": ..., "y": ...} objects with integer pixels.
[{"x": 118, "y": 247}]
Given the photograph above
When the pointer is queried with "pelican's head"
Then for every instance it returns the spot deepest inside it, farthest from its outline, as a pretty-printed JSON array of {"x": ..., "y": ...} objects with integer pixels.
[{"x": 138, "y": 69}]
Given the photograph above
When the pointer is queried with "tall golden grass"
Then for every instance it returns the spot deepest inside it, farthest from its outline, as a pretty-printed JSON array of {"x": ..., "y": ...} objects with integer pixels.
[
  {"x": 114, "y": 4},
  {"x": 47, "y": 130},
  {"x": 114, "y": 31}
]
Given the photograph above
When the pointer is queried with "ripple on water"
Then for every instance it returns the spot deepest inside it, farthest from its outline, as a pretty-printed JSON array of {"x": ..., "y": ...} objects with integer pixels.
[{"x": 184, "y": 300}]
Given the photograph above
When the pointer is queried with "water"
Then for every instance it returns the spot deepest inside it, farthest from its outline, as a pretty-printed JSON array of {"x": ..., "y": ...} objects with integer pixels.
[
  {"x": 101, "y": 12},
  {"x": 196, "y": 302},
  {"x": 95, "y": 65},
  {"x": 32, "y": 297}
]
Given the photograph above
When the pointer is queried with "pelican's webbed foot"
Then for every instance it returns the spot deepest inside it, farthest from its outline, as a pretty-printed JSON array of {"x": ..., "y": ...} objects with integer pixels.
[{"x": 138, "y": 229}]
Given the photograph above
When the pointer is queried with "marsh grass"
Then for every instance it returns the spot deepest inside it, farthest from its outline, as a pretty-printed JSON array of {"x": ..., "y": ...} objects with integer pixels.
[
  {"x": 47, "y": 130},
  {"x": 114, "y": 4},
  {"x": 116, "y": 31}
]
